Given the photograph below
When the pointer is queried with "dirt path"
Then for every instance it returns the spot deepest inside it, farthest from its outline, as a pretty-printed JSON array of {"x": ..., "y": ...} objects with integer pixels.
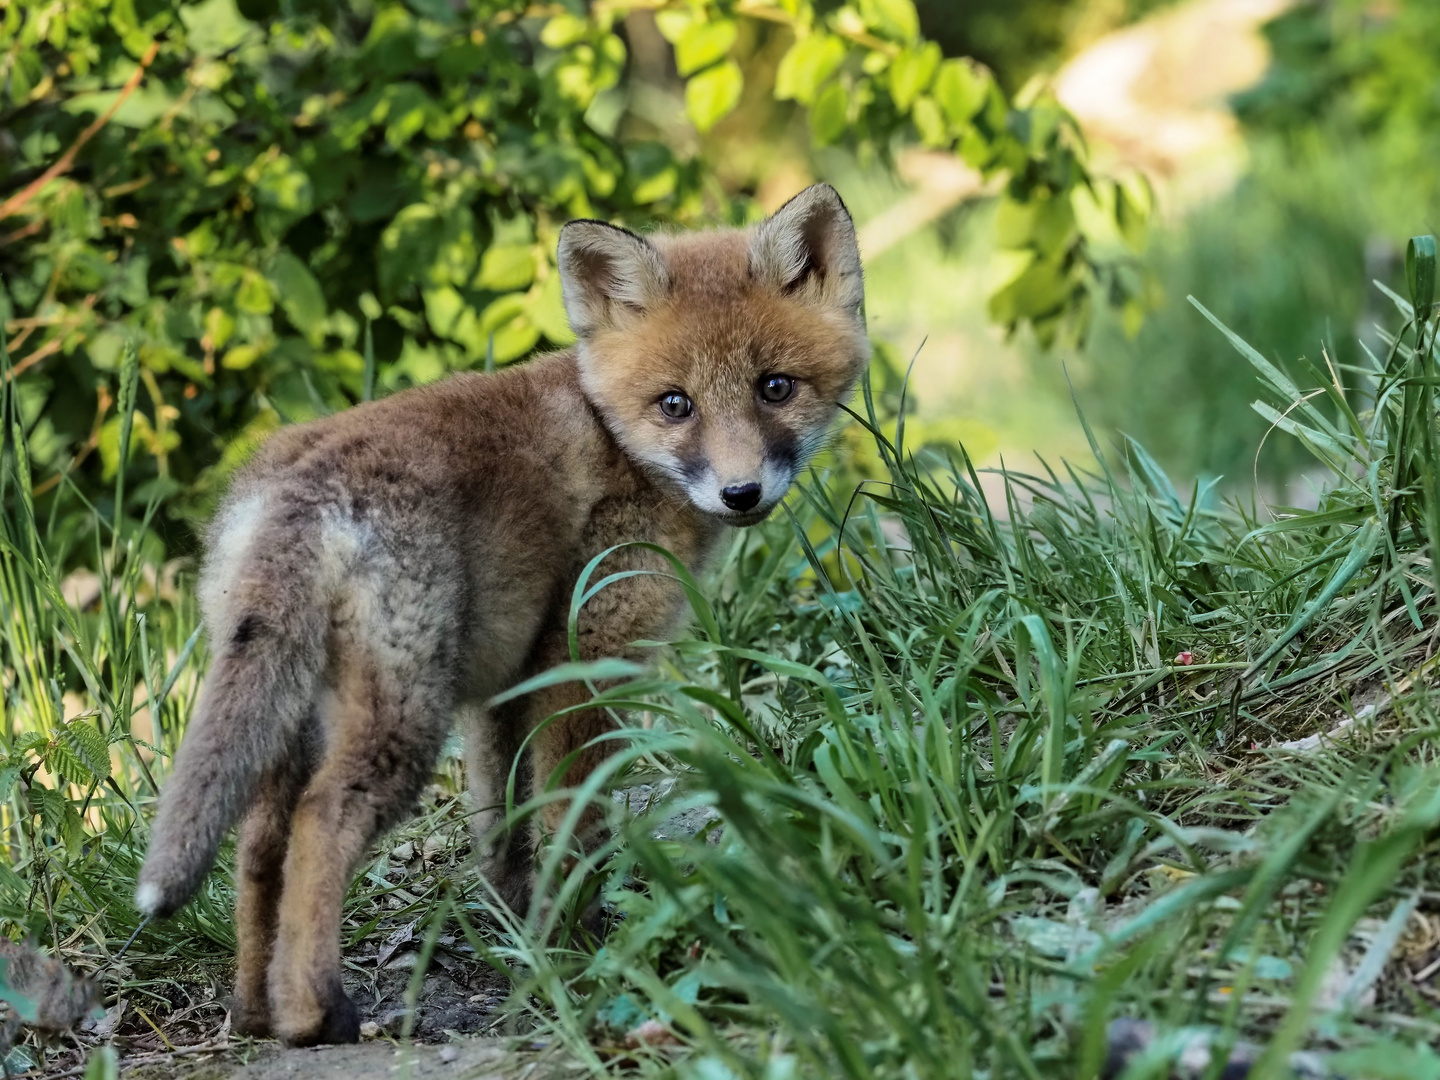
[{"x": 464, "y": 1059}]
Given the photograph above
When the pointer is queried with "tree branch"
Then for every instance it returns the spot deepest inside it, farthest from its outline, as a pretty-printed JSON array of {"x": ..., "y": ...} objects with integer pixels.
[{"x": 16, "y": 203}]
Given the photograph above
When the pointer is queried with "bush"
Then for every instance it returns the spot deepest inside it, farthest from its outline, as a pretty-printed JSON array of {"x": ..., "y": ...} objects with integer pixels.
[{"x": 283, "y": 205}]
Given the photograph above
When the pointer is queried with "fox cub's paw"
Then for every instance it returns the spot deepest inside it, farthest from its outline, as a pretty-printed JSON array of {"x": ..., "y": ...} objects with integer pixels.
[
  {"x": 338, "y": 1022},
  {"x": 250, "y": 1019}
]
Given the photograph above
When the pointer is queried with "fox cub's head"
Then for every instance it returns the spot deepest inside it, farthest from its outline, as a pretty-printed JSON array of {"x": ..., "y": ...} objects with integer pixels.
[{"x": 718, "y": 359}]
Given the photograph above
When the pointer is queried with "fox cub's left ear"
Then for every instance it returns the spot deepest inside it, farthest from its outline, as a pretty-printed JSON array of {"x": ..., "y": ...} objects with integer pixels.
[
  {"x": 807, "y": 248},
  {"x": 606, "y": 270}
]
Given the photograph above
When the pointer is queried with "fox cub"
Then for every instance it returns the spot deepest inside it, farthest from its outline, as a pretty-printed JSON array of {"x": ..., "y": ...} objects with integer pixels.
[{"x": 375, "y": 575}]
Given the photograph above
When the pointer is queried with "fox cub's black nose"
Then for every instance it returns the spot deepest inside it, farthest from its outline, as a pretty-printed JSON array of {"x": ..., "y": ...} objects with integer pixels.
[{"x": 741, "y": 496}]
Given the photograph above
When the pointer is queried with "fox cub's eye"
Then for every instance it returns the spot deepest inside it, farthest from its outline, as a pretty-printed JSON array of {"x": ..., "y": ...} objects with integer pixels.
[
  {"x": 676, "y": 406},
  {"x": 776, "y": 388}
]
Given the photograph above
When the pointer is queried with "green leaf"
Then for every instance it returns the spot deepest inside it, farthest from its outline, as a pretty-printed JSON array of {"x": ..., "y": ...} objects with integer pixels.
[
  {"x": 8, "y": 776},
  {"x": 214, "y": 26},
  {"x": 673, "y": 22},
  {"x": 30, "y": 740},
  {"x": 255, "y": 295},
  {"x": 1420, "y": 274},
  {"x": 421, "y": 245},
  {"x": 564, "y": 30},
  {"x": 702, "y": 44},
  {"x": 442, "y": 309},
  {"x": 929, "y": 122},
  {"x": 547, "y": 312},
  {"x": 90, "y": 746},
  {"x": 241, "y": 357},
  {"x": 300, "y": 296},
  {"x": 407, "y": 109},
  {"x": 961, "y": 88},
  {"x": 506, "y": 267},
  {"x": 650, "y": 166},
  {"x": 895, "y": 19},
  {"x": 712, "y": 94},
  {"x": 807, "y": 65},
  {"x": 1045, "y": 225},
  {"x": 508, "y": 319},
  {"x": 285, "y": 186},
  {"x": 1041, "y": 289},
  {"x": 830, "y": 114},
  {"x": 912, "y": 72},
  {"x": 20, "y": 83},
  {"x": 409, "y": 244},
  {"x": 62, "y": 760}
]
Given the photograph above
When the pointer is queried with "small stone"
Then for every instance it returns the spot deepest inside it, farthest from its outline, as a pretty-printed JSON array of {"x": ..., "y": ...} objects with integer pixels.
[
  {"x": 403, "y": 853},
  {"x": 650, "y": 1033},
  {"x": 448, "y": 1054},
  {"x": 370, "y": 1030}
]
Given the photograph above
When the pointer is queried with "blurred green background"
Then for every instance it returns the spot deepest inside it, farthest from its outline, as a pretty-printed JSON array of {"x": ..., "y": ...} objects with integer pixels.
[{"x": 1293, "y": 147}]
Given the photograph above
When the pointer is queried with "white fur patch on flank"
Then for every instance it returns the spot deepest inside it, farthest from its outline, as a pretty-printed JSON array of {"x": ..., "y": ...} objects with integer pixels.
[
  {"x": 148, "y": 898},
  {"x": 240, "y": 524},
  {"x": 232, "y": 539}
]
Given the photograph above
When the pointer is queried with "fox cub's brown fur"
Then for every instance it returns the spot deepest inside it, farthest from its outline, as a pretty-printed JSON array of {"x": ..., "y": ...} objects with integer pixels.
[{"x": 374, "y": 575}]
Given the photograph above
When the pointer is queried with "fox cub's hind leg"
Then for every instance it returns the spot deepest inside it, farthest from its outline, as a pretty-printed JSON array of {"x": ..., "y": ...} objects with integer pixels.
[
  {"x": 259, "y": 874},
  {"x": 383, "y": 731}
]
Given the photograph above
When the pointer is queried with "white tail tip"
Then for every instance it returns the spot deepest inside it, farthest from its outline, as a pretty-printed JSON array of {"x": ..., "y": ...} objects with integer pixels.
[{"x": 148, "y": 898}]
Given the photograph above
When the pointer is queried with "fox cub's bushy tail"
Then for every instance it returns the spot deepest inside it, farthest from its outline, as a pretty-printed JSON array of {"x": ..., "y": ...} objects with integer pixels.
[{"x": 262, "y": 686}]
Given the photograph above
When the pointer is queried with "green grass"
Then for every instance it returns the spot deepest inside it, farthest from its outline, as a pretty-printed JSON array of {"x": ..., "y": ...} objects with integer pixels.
[{"x": 970, "y": 806}]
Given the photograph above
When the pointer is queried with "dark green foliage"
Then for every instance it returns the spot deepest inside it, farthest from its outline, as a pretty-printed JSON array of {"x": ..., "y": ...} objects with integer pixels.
[{"x": 1365, "y": 64}]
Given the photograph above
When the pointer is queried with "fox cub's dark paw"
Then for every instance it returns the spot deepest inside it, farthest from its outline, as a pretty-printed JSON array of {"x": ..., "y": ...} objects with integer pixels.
[
  {"x": 250, "y": 1020},
  {"x": 340, "y": 1023},
  {"x": 595, "y": 919}
]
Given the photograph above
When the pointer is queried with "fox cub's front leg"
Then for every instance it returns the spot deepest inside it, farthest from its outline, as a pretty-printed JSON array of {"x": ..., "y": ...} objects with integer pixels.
[
  {"x": 492, "y": 743},
  {"x": 641, "y": 607}
]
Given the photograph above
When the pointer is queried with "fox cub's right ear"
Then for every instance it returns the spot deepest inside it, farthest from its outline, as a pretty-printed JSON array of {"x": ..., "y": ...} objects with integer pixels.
[
  {"x": 604, "y": 268},
  {"x": 807, "y": 249}
]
